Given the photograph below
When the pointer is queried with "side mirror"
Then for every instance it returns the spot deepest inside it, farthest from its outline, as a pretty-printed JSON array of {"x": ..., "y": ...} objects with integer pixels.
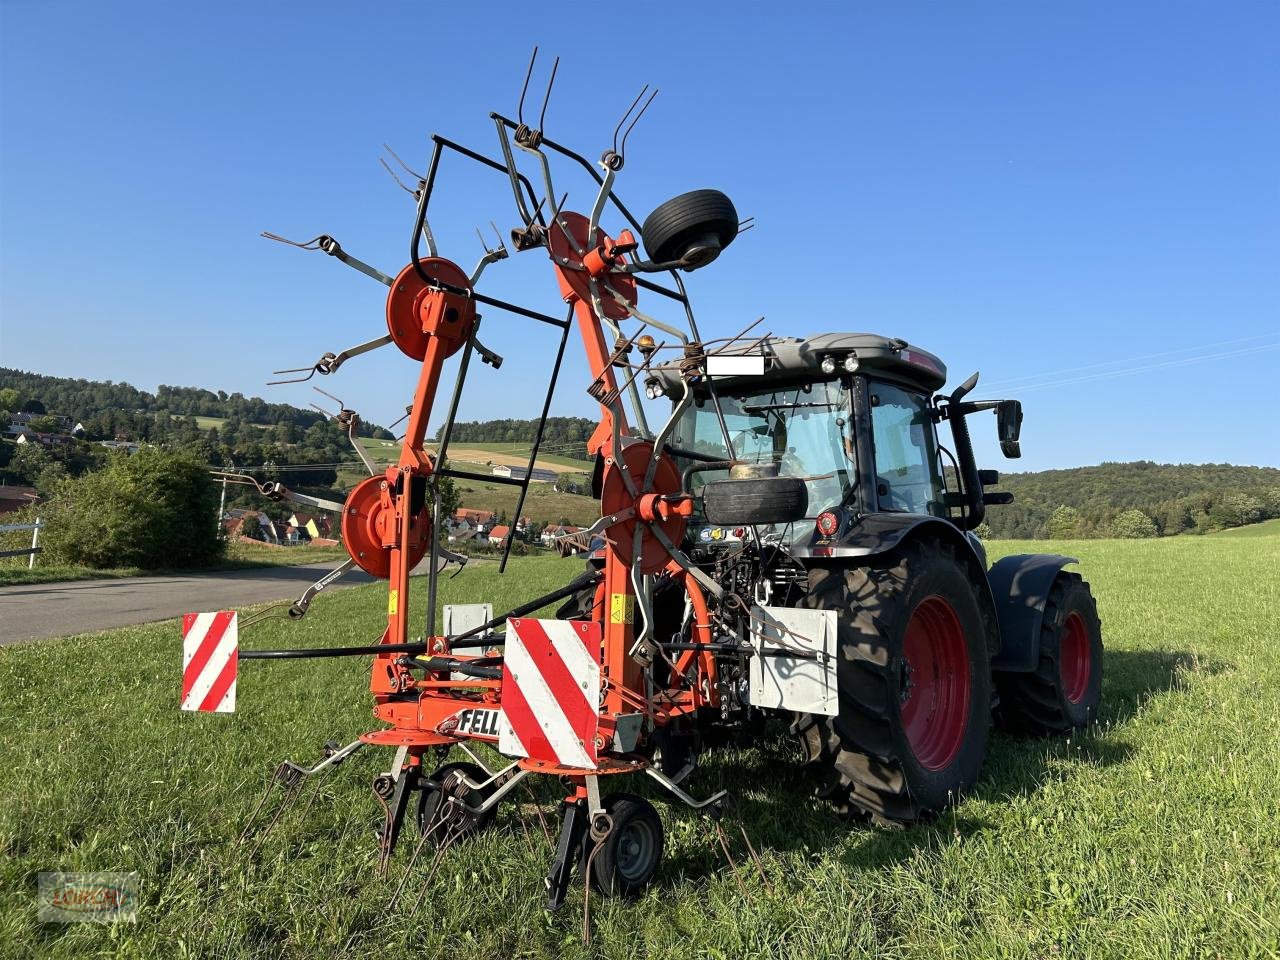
[{"x": 1009, "y": 427}]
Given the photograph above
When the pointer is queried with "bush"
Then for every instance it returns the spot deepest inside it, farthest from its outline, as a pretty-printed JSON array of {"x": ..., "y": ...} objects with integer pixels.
[
  {"x": 1064, "y": 524},
  {"x": 151, "y": 510},
  {"x": 1133, "y": 525},
  {"x": 1236, "y": 510}
]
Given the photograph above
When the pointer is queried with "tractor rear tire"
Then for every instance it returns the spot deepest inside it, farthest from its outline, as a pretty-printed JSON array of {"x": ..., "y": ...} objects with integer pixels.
[
  {"x": 1063, "y": 692},
  {"x": 914, "y": 681}
]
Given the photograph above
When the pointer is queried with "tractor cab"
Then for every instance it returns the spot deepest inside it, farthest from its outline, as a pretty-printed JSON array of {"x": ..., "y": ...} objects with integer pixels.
[{"x": 850, "y": 417}]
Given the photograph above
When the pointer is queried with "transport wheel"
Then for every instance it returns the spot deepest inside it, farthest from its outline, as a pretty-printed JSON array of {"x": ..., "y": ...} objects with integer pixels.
[
  {"x": 693, "y": 227},
  {"x": 459, "y": 822},
  {"x": 1064, "y": 690},
  {"x": 625, "y": 861},
  {"x": 914, "y": 680}
]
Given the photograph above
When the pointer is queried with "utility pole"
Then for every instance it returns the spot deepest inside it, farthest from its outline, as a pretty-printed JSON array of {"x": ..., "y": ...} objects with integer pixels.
[{"x": 222, "y": 503}]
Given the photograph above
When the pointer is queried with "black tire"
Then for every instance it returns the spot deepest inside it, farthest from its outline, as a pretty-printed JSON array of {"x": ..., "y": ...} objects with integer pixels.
[
  {"x": 1063, "y": 692},
  {"x": 695, "y": 226},
  {"x": 624, "y": 862},
  {"x": 864, "y": 757},
  {"x": 761, "y": 500},
  {"x": 430, "y": 799}
]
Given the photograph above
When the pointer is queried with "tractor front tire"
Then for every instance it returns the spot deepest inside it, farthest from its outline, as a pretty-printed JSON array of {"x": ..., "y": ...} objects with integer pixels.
[
  {"x": 914, "y": 683},
  {"x": 1063, "y": 692}
]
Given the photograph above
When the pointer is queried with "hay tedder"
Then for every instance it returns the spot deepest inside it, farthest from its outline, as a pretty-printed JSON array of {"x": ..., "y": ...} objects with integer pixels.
[{"x": 788, "y": 541}]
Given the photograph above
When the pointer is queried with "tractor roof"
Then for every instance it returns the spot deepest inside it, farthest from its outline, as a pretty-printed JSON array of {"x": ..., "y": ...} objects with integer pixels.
[{"x": 792, "y": 359}]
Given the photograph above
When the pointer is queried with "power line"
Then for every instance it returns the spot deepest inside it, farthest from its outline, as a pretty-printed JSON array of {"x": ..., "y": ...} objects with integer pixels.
[
  {"x": 1056, "y": 375},
  {"x": 1185, "y": 361}
]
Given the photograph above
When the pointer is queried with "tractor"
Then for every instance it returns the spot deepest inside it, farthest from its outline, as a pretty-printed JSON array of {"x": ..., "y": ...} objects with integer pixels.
[{"x": 789, "y": 540}]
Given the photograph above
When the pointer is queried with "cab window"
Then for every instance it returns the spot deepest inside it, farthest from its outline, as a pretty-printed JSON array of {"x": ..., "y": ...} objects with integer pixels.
[{"x": 907, "y": 476}]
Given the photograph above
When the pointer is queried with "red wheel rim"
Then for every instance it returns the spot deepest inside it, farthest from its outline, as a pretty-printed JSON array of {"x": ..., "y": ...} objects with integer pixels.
[
  {"x": 1075, "y": 658},
  {"x": 935, "y": 708}
]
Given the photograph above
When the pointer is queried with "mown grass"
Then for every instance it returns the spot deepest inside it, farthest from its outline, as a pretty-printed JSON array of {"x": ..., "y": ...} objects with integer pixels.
[{"x": 1157, "y": 834}]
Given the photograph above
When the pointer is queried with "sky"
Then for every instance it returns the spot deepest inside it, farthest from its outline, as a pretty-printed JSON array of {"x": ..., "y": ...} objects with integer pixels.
[{"x": 1077, "y": 199}]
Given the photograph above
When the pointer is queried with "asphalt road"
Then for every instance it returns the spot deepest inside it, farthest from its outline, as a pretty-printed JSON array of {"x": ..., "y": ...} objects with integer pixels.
[{"x": 39, "y": 610}]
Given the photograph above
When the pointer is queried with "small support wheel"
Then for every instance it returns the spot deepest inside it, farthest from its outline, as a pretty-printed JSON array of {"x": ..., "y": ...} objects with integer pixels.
[
  {"x": 460, "y": 824},
  {"x": 625, "y": 861}
]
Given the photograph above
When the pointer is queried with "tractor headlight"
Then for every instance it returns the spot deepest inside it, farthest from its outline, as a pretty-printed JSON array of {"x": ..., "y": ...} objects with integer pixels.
[
  {"x": 828, "y": 364},
  {"x": 850, "y": 363},
  {"x": 653, "y": 389}
]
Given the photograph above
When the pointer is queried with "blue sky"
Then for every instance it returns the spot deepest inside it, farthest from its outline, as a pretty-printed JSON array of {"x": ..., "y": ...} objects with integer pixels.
[{"x": 1075, "y": 198}]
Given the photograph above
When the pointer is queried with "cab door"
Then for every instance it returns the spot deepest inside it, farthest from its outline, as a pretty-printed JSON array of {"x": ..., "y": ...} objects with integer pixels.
[{"x": 907, "y": 469}]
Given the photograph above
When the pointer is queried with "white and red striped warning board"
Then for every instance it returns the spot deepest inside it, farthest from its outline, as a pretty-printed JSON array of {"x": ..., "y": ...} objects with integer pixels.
[
  {"x": 551, "y": 691},
  {"x": 209, "y": 645}
]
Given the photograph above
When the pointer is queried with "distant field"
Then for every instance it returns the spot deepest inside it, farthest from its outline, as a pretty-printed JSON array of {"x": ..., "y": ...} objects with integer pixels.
[
  {"x": 543, "y": 504},
  {"x": 208, "y": 423},
  {"x": 1155, "y": 834},
  {"x": 1267, "y": 528},
  {"x": 483, "y": 454}
]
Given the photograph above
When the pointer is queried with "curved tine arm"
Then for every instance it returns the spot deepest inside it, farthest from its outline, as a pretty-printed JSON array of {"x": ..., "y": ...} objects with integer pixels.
[
  {"x": 490, "y": 256},
  {"x": 642, "y": 423},
  {"x": 512, "y": 173},
  {"x": 334, "y": 249},
  {"x": 597, "y": 210},
  {"x": 306, "y": 501},
  {"x": 661, "y": 439},
  {"x": 428, "y": 236},
  {"x": 685, "y": 563},
  {"x": 330, "y": 362},
  {"x": 551, "y": 193},
  {"x": 275, "y": 491},
  {"x": 359, "y": 449},
  {"x": 299, "y": 608},
  {"x": 224, "y": 476},
  {"x": 645, "y": 318}
]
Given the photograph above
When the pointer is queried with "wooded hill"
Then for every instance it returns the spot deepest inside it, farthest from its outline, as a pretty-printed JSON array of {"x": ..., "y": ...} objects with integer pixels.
[
  {"x": 108, "y": 409},
  {"x": 272, "y": 440},
  {"x": 1175, "y": 498}
]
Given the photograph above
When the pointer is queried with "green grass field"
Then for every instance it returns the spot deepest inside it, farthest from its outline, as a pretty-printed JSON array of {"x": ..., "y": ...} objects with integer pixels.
[
  {"x": 1267, "y": 528},
  {"x": 1156, "y": 834}
]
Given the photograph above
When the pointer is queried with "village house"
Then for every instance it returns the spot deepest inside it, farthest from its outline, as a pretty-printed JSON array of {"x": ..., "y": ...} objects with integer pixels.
[
  {"x": 251, "y": 524},
  {"x": 43, "y": 439},
  {"x": 311, "y": 526},
  {"x": 20, "y": 424},
  {"x": 539, "y": 475}
]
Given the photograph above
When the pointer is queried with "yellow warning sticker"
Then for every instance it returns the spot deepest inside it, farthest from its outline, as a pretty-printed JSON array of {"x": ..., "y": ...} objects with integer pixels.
[
  {"x": 393, "y": 602},
  {"x": 622, "y": 608}
]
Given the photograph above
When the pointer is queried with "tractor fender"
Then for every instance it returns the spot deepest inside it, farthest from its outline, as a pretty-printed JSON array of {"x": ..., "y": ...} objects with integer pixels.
[
  {"x": 1021, "y": 585},
  {"x": 876, "y": 533}
]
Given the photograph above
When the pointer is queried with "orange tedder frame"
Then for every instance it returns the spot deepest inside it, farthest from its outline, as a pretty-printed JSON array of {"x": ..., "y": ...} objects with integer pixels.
[
  {"x": 386, "y": 527},
  {"x": 388, "y": 519}
]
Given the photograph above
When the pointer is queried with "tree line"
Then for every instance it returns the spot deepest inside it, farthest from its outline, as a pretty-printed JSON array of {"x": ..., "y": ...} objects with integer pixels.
[
  {"x": 272, "y": 441},
  {"x": 562, "y": 436}
]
